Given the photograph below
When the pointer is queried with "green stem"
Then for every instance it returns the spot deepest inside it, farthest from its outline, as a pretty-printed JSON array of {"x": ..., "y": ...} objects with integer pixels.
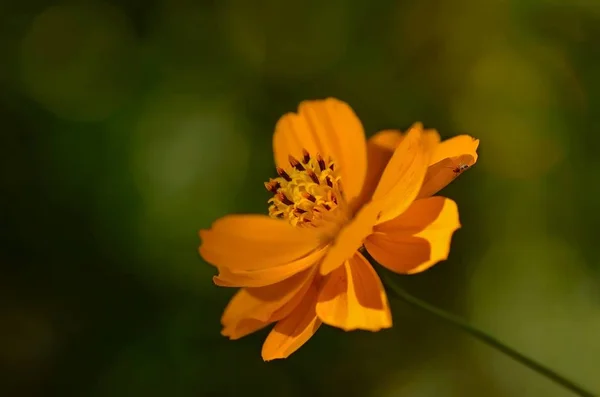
[{"x": 485, "y": 338}]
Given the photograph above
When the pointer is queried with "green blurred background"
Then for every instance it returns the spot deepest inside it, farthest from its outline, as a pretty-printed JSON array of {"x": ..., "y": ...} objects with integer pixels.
[{"x": 129, "y": 125}]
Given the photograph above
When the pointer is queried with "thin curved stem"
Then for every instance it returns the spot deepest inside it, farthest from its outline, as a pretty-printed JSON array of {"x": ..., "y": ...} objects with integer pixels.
[{"x": 485, "y": 338}]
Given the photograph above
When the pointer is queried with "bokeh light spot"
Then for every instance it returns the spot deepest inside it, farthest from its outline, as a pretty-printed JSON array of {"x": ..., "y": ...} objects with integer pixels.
[
  {"x": 27, "y": 336},
  {"x": 78, "y": 61},
  {"x": 190, "y": 160},
  {"x": 284, "y": 42},
  {"x": 529, "y": 294}
]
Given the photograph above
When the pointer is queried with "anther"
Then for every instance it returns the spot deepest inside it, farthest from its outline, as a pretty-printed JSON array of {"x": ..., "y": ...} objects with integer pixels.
[
  {"x": 313, "y": 176},
  {"x": 283, "y": 174},
  {"x": 282, "y": 197},
  {"x": 272, "y": 186},
  {"x": 305, "y": 156},
  {"x": 328, "y": 180},
  {"x": 295, "y": 163},
  {"x": 309, "y": 196},
  {"x": 299, "y": 210},
  {"x": 321, "y": 162}
]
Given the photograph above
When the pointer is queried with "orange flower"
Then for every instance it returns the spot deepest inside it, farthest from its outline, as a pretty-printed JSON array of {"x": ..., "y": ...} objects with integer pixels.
[{"x": 336, "y": 192}]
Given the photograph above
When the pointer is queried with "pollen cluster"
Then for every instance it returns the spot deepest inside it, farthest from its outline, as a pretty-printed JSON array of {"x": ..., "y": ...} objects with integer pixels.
[{"x": 306, "y": 194}]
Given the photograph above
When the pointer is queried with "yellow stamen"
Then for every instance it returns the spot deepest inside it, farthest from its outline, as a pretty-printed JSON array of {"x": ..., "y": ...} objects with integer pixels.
[{"x": 309, "y": 193}]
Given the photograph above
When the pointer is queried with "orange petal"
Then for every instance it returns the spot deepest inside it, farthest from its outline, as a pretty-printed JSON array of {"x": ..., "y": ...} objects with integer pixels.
[
  {"x": 455, "y": 147},
  {"x": 295, "y": 330},
  {"x": 403, "y": 176},
  {"x": 353, "y": 298},
  {"x": 256, "y": 307},
  {"x": 447, "y": 156},
  {"x": 380, "y": 148},
  {"x": 252, "y": 242},
  {"x": 265, "y": 303},
  {"x": 244, "y": 327},
  {"x": 350, "y": 238},
  {"x": 417, "y": 239},
  {"x": 262, "y": 277},
  {"x": 330, "y": 128}
]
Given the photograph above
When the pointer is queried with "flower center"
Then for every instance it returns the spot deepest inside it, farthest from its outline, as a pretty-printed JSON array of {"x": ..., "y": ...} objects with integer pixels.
[{"x": 309, "y": 193}]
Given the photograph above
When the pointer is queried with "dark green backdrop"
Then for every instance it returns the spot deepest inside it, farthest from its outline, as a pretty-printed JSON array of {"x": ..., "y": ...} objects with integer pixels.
[{"x": 129, "y": 125}]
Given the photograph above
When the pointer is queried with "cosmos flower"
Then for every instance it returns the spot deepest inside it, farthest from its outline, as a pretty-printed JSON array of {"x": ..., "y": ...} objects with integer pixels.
[{"x": 336, "y": 195}]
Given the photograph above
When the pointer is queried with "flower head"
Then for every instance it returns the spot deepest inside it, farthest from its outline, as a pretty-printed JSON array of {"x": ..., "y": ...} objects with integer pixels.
[{"x": 334, "y": 193}]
